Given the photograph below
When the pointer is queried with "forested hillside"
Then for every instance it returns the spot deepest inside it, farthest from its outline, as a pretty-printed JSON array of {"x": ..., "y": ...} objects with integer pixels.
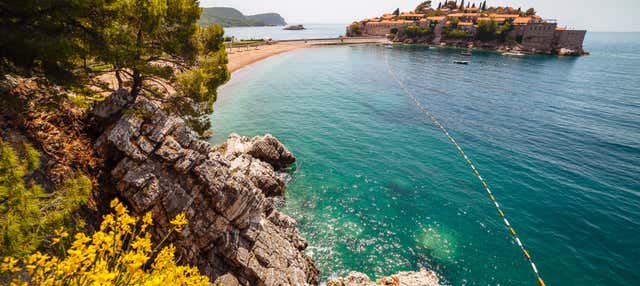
[{"x": 230, "y": 17}]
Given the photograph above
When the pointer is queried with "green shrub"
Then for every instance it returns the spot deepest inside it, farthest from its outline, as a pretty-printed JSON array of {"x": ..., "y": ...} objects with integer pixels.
[
  {"x": 417, "y": 31},
  {"x": 487, "y": 30},
  {"x": 28, "y": 215},
  {"x": 457, "y": 34}
]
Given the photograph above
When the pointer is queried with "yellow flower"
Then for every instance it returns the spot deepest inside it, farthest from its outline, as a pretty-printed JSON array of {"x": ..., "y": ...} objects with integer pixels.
[
  {"x": 9, "y": 264},
  {"x": 179, "y": 221},
  {"x": 61, "y": 233},
  {"x": 119, "y": 250}
]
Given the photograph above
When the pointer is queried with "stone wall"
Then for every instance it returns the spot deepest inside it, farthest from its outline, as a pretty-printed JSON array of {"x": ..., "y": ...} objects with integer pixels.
[
  {"x": 382, "y": 28},
  {"x": 539, "y": 37},
  {"x": 569, "y": 39}
]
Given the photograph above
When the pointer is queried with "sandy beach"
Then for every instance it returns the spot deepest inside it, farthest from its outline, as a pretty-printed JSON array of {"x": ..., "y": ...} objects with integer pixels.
[{"x": 241, "y": 57}]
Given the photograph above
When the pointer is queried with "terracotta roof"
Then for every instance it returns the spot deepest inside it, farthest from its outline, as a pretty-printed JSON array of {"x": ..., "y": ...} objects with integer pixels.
[
  {"x": 436, "y": 18},
  {"x": 495, "y": 19},
  {"x": 522, "y": 20},
  {"x": 508, "y": 16},
  {"x": 393, "y": 22},
  {"x": 412, "y": 15}
]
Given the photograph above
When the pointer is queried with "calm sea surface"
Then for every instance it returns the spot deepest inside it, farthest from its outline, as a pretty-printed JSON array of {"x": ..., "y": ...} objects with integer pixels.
[
  {"x": 378, "y": 189},
  {"x": 313, "y": 31}
]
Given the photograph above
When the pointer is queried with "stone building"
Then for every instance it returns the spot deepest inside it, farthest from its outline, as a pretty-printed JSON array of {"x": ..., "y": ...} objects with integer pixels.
[
  {"x": 529, "y": 33},
  {"x": 569, "y": 39},
  {"x": 538, "y": 37},
  {"x": 383, "y": 28}
]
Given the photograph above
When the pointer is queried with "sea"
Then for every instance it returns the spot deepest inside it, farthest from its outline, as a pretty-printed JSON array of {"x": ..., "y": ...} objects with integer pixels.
[
  {"x": 377, "y": 188},
  {"x": 312, "y": 31}
]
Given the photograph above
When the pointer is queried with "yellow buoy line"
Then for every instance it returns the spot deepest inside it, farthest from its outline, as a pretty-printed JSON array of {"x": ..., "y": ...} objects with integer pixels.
[{"x": 437, "y": 123}]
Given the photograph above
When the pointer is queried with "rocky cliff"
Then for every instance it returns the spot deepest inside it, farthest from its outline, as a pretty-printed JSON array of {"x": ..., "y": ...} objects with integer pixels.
[
  {"x": 163, "y": 168},
  {"x": 420, "y": 278},
  {"x": 156, "y": 164}
]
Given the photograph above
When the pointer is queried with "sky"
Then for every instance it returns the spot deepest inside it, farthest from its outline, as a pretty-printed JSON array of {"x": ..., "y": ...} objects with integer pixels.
[{"x": 602, "y": 15}]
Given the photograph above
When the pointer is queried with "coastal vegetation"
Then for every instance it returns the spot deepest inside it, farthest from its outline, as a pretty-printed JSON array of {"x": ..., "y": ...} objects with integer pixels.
[
  {"x": 457, "y": 34},
  {"x": 146, "y": 48},
  {"x": 28, "y": 214},
  {"x": 60, "y": 61},
  {"x": 230, "y": 17},
  {"x": 119, "y": 253},
  {"x": 356, "y": 29},
  {"x": 417, "y": 31}
]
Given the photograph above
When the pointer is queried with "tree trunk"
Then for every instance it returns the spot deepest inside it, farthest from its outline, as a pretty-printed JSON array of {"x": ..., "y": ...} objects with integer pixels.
[{"x": 137, "y": 77}]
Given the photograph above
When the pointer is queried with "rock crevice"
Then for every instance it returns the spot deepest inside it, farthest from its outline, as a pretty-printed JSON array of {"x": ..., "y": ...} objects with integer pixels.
[{"x": 163, "y": 168}]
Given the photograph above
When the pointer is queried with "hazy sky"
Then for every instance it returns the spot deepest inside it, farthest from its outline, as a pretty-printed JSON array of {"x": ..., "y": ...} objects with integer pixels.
[{"x": 594, "y": 15}]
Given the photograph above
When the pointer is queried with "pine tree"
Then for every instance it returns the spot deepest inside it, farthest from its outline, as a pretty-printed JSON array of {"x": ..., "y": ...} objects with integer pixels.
[
  {"x": 462, "y": 5},
  {"x": 145, "y": 43},
  {"x": 27, "y": 213},
  {"x": 397, "y": 12},
  {"x": 530, "y": 12}
]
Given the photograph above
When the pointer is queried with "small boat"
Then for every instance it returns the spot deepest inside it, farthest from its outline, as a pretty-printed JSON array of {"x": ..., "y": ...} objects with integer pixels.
[
  {"x": 514, "y": 54},
  {"x": 467, "y": 54},
  {"x": 388, "y": 46},
  {"x": 461, "y": 62}
]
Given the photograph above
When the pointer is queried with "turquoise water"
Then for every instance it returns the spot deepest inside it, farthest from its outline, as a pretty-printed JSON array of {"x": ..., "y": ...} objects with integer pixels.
[
  {"x": 378, "y": 189},
  {"x": 313, "y": 31}
]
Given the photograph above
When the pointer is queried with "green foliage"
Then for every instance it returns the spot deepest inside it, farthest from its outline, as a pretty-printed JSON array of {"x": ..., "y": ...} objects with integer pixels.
[
  {"x": 393, "y": 31},
  {"x": 148, "y": 37},
  {"x": 435, "y": 13},
  {"x": 230, "y": 17},
  {"x": 199, "y": 84},
  {"x": 454, "y": 22},
  {"x": 417, "y": 31},
  {"x": 356, "y": 29},
  {"x": 490, "y": 30},
  {"x": 50, "y": 36},
  {"x": 27, "y": 213},
  {"x": 530, "y": 12},
  {"x": 503, "y": 31},
  {"x": 146, "y": 43},
  {"x": 422, "y": 6},
  {"x": 457, "y": 34},
  {"x": 120, "y": 253},
  {"x": 487, "y": 30}
]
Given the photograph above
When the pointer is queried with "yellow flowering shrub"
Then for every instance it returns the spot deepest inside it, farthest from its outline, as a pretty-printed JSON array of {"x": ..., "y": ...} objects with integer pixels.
[{"x": 120, "y": 253}]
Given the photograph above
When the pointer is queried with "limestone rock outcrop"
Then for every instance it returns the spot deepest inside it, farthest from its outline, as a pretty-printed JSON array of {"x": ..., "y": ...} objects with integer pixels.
[
  {"x": 160, "y": 166},
  {"x": 420, "y": 278}
]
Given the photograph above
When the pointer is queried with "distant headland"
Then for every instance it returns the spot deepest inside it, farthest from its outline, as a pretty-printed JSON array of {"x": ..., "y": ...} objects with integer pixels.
[
  {"x": 474, "y": 25},
  {"x": 230, "y": 17}
]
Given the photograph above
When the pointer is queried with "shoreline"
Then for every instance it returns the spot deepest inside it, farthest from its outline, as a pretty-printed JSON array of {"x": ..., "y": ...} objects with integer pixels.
[
  {"x": 242, "y": 57},
  {"x": 245, "y": 56}
]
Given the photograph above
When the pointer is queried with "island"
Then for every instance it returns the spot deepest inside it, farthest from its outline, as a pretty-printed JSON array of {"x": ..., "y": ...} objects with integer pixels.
[
  {"x": 295, "y": 28},
  {"x": 474, "y": 25},
  {"x": 230, "y": 17}
]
